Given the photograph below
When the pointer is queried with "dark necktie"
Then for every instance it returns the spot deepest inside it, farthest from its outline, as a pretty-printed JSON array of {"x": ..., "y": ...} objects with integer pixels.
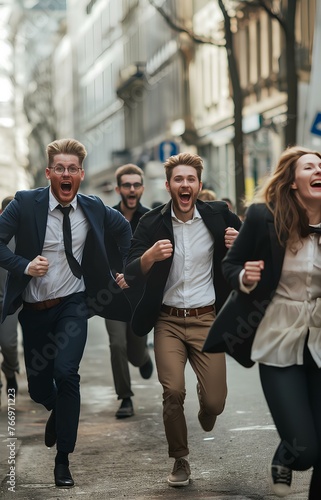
[
  {"x": 73, "y": 263},
  {"x": 315, "y": 229}
]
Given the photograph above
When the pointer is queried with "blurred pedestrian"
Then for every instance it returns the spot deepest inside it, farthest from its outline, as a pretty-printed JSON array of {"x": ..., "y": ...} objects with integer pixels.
[
  {"x": 124, "y": 345},
  {"x": 176, "y": 254},
  {"x": 207, "y": 195},
  {"x": 273, "y": 316},
  {"x": 229, "y": 203},
  {"x": 61, "y": 274},
  {"x": 9, "y": 330}
]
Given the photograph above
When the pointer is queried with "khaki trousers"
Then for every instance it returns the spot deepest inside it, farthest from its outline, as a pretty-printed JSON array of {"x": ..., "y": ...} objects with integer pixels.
[{"x": 177, "y": 340}]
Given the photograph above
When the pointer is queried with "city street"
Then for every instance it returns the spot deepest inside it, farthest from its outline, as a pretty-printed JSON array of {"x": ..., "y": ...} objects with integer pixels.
[{"x": 127, "y": 459}]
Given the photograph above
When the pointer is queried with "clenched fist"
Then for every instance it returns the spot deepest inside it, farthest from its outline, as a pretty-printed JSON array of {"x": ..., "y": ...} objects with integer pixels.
[{"x": 38, "y": 267}]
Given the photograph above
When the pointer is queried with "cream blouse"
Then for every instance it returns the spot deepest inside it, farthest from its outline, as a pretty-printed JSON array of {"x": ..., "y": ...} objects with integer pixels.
[{"x": 294, "y": 310}]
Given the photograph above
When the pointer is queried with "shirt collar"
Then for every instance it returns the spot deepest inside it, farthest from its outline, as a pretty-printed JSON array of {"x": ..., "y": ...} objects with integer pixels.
[
  {"x": 53, "y": 202},
  {"x": 196, "y": 215}
]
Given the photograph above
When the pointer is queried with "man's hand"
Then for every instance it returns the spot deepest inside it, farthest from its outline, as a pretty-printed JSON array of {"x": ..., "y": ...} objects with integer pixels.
[
  {"x": 38, "y": 267},
  {"x": 161, "y": 250},
  {"x": 252, "y": 273},
  {"x": 120, "y": 280},
  {"x": 230, "y": 236}
]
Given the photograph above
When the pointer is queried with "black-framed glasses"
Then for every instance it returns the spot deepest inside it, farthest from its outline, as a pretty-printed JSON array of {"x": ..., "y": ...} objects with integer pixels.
[
  {"x": 128, "y": 185},
  {"x": 59, "y": 169}
]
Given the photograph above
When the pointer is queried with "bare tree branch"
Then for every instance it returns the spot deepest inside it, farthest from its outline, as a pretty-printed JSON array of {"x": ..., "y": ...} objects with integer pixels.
[{"x": 183, "y": 29}]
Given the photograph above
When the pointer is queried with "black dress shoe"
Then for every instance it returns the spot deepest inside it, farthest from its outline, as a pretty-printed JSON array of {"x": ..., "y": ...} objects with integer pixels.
[
  {"x": 126, "y": 409},
  {"x": 12, "y": 386},
  {"x": 63, "y": 478},
  {"x": 50, "y": 431},
  {"x": 147, "y": 369}
]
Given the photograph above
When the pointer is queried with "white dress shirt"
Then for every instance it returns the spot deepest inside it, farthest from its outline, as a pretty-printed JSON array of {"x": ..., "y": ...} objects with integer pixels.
[
  {"x": 59, "y": 281},
  {"x": 190, "y": 280},
  {"x": 294, "y": 310}
]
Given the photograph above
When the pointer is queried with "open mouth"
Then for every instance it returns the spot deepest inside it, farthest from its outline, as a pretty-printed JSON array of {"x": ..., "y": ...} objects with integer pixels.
[
  {"x": 316, "y": 184},
  {"x": 66, "y": 187},
  {"x": 185, "y": 197}
]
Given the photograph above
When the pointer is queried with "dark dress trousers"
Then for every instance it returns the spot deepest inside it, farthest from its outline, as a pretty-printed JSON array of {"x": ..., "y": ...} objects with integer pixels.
[
  {"x": 157, "y": 225},
  {"x": 234, "y": 328},
  {"x": 54, "y": 339}
]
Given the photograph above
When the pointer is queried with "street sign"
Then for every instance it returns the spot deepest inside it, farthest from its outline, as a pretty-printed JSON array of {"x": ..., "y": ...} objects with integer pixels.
[
  {"x": 316, "y": 125},
  {"x": 167, "y": 149}
]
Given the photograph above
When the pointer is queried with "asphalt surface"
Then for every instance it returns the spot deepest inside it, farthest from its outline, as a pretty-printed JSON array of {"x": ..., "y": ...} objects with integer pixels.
[{"x": 127, "y": 459}]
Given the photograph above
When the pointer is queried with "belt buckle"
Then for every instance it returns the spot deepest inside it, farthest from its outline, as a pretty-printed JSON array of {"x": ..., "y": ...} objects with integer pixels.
[{"x": 186, "y": 312}]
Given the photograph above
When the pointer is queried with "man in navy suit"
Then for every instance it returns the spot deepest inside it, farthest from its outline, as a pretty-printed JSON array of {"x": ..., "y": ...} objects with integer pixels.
[{"x": 61, "y": 278}]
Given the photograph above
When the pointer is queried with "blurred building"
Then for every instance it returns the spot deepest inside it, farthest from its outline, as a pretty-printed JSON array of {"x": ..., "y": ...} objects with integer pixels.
[
  {"x": 260, "y": 53},
  {"x": 13, "y": 147},
  {"x": 131, "y": 84},
  {"x": 141, "y": 89},
  {"x": 127, "y": 77}
]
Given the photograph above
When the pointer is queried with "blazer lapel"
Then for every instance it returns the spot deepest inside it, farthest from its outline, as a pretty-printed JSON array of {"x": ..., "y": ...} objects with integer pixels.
[
  {"x": 278, "y": 253},
  {"x": 40, "y": 209},
  {"x": 166, "y": 212},
  {"x": 213, "y": 221}
]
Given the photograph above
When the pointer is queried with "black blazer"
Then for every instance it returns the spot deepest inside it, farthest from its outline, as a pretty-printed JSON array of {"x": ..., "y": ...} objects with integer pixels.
[
  {"x": 106, "y": 247},
  {"x": 157, "y": 225},
  {"x": 234, "y": 328}
]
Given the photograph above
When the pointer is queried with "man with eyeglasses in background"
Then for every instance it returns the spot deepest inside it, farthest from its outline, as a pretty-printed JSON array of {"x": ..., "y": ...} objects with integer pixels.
[
  {"x": 67, "y": 245},
  {"x": 124, "y": 345}
]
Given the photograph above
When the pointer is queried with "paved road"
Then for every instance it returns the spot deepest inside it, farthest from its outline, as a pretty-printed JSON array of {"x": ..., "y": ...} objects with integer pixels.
[{"x": 127, "y": 459}]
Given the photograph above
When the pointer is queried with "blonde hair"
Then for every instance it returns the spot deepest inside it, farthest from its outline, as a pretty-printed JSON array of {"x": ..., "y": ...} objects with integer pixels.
[
  {"x": 67, "y": 147},
  {"x": 128, "y": 169},
  {"x": 207, "y": 195},
  {"x": 187, "y": 159}
]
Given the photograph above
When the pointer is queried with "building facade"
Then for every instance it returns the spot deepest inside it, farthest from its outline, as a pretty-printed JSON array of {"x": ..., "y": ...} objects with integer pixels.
[{"x": 142, "y": 87}]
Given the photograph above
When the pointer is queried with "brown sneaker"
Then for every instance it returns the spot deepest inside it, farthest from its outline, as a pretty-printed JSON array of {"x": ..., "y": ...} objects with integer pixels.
[
  {"x": 207, "y": 421},
  {"x": 180, "y": 474}
]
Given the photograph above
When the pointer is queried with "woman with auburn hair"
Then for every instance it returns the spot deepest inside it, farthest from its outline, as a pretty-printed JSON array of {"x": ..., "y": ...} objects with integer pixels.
[{"x": 273, "y": 315}]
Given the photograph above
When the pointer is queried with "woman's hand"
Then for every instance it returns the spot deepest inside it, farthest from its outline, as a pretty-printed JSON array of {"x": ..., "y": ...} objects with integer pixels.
[{"x": 252, "y": 272}]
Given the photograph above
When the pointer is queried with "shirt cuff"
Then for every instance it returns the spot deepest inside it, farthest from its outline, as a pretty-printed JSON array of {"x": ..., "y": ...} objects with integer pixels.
[
  {"x": 26, "y": 271},
  {"x": 245, "y": 288}
]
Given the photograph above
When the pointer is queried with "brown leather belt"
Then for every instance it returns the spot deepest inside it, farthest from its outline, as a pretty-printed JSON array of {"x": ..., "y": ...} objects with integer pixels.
[
  {"x": 45, "y": 304},
  {"x": 184, "y": 313}
]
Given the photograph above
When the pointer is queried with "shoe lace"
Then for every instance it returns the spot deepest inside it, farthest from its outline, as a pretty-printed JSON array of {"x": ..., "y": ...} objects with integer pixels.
[{"x": 181, "y": 463}]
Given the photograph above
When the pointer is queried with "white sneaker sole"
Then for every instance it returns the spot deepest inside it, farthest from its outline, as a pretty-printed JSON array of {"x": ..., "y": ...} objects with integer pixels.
[{"x": 178, "y": 483}]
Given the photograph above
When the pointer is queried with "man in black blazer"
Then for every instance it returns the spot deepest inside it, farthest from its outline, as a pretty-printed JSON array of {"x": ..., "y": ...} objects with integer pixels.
[
  {"x": 61, "y": 279},
  {"x": 176, "y": 255}
]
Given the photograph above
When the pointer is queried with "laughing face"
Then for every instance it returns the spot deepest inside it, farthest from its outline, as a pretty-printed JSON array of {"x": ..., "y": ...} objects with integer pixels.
[
  {"x": 307, "y": 180},
  {"x": 130, "y": 190},
  {"x": 65, "y": 186},
  {"x": 184, "y": 187}
]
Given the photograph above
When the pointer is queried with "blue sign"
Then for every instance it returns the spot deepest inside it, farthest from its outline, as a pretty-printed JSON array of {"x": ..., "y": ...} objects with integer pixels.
[
  {"x": 316, "y": 126},
  {"x": 167, "y": 149}
]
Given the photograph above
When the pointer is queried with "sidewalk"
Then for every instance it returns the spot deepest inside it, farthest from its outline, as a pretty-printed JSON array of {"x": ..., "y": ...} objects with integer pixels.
[{"x": 127, "y": 459}]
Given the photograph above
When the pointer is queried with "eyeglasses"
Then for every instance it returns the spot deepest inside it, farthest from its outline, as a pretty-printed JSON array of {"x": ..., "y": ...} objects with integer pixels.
[
  {"x": 128, "y": 185},
  {"x": 59, "y": 170}
]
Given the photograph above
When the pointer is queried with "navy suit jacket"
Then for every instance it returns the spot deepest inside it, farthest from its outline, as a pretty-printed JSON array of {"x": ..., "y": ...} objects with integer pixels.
[
  {"x": 106, "y": 247},
  {"x": 235, "y": 326},
  {"x": 157, "y": 225}
]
